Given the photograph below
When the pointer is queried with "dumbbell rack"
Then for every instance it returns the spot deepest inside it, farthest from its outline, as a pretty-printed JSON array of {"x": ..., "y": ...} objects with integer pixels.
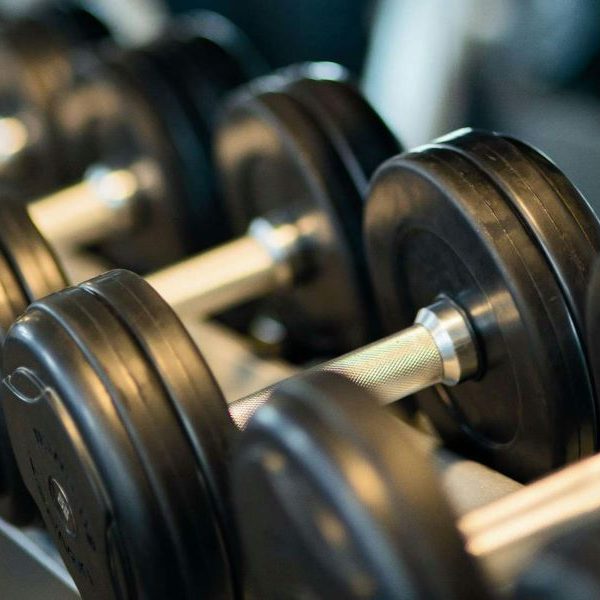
[{"x": 30, "y": 566}]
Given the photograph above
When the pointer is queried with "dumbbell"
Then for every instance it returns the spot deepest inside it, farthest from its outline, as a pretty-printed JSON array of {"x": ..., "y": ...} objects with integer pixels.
[
  {"x": 296, "y": 151},
  {"x": 342, "y": 501},
  {"x": 39, "y": 59},
  {"x": 116, "y": 421},
  {"x": 143, "y": 118},
  {"x": 150, "y": 112}
]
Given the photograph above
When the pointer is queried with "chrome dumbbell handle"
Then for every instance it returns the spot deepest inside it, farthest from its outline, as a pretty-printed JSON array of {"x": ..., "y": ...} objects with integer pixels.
[
  {"x": 438, "y": 348},
  {"x": 246, "y": 268},
  {"x": 85, "y": 212},
  {"x": 14, "y": 140}
]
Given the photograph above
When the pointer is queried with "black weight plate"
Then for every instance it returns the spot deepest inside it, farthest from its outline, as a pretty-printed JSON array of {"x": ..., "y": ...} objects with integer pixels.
[
  {"x": 225, "y": 36},
  {"x": 74, "y": 22},
  {"x": 169, "y": 459},
  {"x": 200, "y": 92},
  {"x": 15, "y": 503},
  {"x": 360, "y": 137},
  {"x": 201, "y": 59},
  {"x": 165, "y": 456},
  {"x": 562, "y": 222},
  {"x": 436, "y": 223},
  {"x": 13, "y": 300},
  {"x": 592, "y": 321},
  {"x": 185, "y": 200},
  {"x": 34, "y": 70},
  {"x": 38, "y": 64},
  {"x": 125, "y": 130},
  {"x": 333, "y": 502},
  {"x": 197, "y": 402},
  {"x": 179, "y": 160},
  {"x": 359, "y": 134},
  {"x": 63, "y": 416},
  {"x": 31, "y": 259},
  {"x": 276, "y": 161}
]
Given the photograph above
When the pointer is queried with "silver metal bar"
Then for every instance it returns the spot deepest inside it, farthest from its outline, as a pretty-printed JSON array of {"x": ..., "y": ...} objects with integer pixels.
[
  {"x": 506, "y": 535},
  {"x": 88, "y": 211},
  {"x": 14, "y": 140},
  {"x": 244, "y": 269},
  {"x": 437, "y": 349}
]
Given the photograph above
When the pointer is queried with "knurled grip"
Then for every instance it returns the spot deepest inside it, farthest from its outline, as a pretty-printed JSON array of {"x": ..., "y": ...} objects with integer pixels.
[{"x": 393, "y": 368}]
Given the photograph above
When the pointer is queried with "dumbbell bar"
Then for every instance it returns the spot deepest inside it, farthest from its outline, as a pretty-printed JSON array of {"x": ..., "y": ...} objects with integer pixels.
[
  {"x": 305, "y": 247},
  {"x": 145, "y": 118},
  {"x": 112, "y": 353},
  {"x": 338, "y": 495}
]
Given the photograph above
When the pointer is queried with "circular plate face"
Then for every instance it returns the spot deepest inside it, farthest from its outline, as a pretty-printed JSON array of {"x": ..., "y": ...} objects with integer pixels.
[
  {"x": 438, "y": 224},
  {"x": 327, "y": 488},
  {"x": 35, "y": 68},
  {"x": 105, "y": 455},
  {"x": 562, "y": 222},
  {"x": 179, "y": 80},
  {"x": 38, "y": 64},
  {"x": 288, "y": 159}
]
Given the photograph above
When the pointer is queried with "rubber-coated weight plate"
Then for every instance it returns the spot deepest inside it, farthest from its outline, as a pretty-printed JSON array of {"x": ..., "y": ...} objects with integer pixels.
[
  {"x": 327, "y": 489},
  {"x": 361, "y": 140},
  {"x": 171, "y": 561},
  {"x": 180, "y": 160},
  {"x": 197, "y": 402},
  {"x": 278, "y": 159},
  {"x": 226, "y": 37},
  {"x": 38, "y": 64},
  {"x": 359, "y": 134},
  {"x": 34, "y": 265},
  {"x": 76, "y": 456},
  {"x": 180, "y": 88},
  {"x": 13, "y": 300},
  {"x": 561, "y": 220},
  {"x": 436, "y": 223}
]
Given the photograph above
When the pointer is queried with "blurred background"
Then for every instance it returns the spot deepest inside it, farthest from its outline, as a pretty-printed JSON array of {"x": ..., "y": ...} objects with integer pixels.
[{"x": 526, "y": 67}]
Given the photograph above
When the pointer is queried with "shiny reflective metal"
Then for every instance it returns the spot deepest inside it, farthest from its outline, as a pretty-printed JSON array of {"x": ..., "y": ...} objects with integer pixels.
[
  {"x": 438, "y": 348},
  {"x": 249, "y": 267},
  {"x": 101, "y": 204},
  {"x": 14, "y": 139}
]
